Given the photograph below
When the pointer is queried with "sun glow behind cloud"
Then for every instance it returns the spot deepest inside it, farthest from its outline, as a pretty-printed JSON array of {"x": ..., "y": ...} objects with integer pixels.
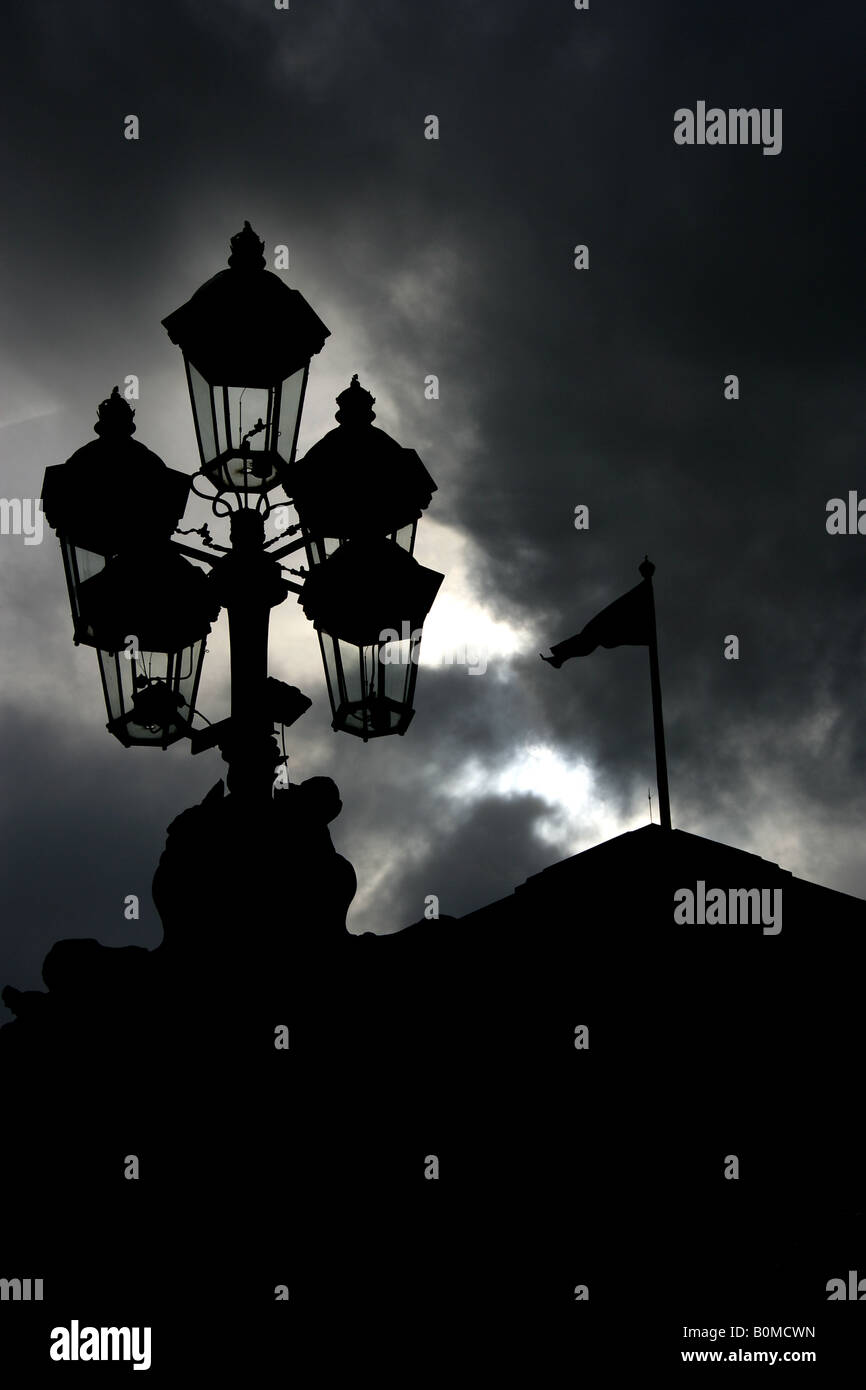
[
  {"x": 460, "y": 628},
  {"x": 576, "y": 816}
]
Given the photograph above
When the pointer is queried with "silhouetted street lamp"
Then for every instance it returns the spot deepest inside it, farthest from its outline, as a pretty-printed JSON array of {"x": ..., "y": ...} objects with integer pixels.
[{"x": 247, "y": 341}]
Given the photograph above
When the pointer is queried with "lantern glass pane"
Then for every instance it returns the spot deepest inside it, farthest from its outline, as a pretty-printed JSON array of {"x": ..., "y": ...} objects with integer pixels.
[
  {"x": 108, "y": 667},
  {"x": 246, "y": 437},
  {"x": 237, "y": 432},
  {"x": 243, "y": 431},
  {"x": 87, "y": 563},
  {"x": 150, "y": 696},
  {"x": 394, "y": 660},
  {"x": 222, "y": 418},
  {"x": 371, "y": 687},
  {"x": 332, "y": 671},
  {"x": 405, "y": 537},
  {"x": 249, "y": 419},
  {"x": 188, "y": 665},
  {"x": 203, "y": 411},
  {"x": 79, "y": 566},
  {"x": 290, "y": 415},
  {"x": 351, "y": 660}
]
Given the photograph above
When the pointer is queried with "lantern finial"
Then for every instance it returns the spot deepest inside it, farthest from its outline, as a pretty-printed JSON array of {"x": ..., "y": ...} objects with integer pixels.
[
  {"x": 115, "y": 417},
  {"x": 356, "y": 404},
  {"x": 247, "y": 250}
]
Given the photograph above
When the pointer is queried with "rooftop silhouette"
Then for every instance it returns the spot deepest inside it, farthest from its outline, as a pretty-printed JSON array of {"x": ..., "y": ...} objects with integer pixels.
[{"x": 456, "y": 1038}]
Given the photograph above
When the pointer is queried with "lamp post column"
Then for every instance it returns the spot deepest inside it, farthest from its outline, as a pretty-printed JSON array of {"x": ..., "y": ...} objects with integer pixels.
[{"x": 250, "y": 585}]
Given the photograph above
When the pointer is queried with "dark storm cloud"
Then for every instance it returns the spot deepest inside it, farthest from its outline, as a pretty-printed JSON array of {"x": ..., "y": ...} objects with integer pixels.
[
  {"x": 81, "y": 831},
  {"x": 557, "y": 387},
  {"x": 465, "y": 863}
]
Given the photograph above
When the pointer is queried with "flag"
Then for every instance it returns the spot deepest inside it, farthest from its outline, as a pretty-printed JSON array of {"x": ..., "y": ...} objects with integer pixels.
[{"x": 627, "y": 622}]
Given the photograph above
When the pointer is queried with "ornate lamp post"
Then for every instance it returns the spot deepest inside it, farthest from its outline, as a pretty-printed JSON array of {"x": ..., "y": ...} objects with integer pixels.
[{"x": 247, "y": 341}]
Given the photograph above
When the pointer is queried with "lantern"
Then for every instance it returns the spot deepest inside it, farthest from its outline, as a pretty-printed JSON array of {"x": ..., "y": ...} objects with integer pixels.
[
  {"x": 357, "y": 482},
  {"x": 368, "y": 601},
  {"x": 247, "y": 340},
  {"x": 148, "y": 615},
  {"x": 111, "y": 495}
]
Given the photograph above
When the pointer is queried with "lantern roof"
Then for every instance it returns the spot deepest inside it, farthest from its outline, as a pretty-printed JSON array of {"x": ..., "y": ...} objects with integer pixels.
[
  {"x": 245, "y": 326},
  {"x": 366, "y": 588},
  {"x": 114, "y": 491},
  {"x": 357, "y": 480},
  {"x": 158, "y": 597}
]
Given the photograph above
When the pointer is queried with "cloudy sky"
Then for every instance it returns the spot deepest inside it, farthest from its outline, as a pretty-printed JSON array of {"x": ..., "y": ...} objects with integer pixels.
[{"x": 558, "y": 387}]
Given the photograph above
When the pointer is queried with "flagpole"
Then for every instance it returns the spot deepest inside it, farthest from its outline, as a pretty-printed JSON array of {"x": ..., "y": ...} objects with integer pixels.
[{"x": 647, "y": 569}]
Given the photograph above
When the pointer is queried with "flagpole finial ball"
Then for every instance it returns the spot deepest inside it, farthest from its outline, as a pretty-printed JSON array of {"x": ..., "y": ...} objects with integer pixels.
[{"x": 647, "y": 569}]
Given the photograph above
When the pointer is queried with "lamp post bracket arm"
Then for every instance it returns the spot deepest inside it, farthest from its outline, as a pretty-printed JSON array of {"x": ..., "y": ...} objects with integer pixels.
[
  {"x": 289, "y": 531},
  {"x": 196, "y": 554},
  {"x": 288, "y": 549}
]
